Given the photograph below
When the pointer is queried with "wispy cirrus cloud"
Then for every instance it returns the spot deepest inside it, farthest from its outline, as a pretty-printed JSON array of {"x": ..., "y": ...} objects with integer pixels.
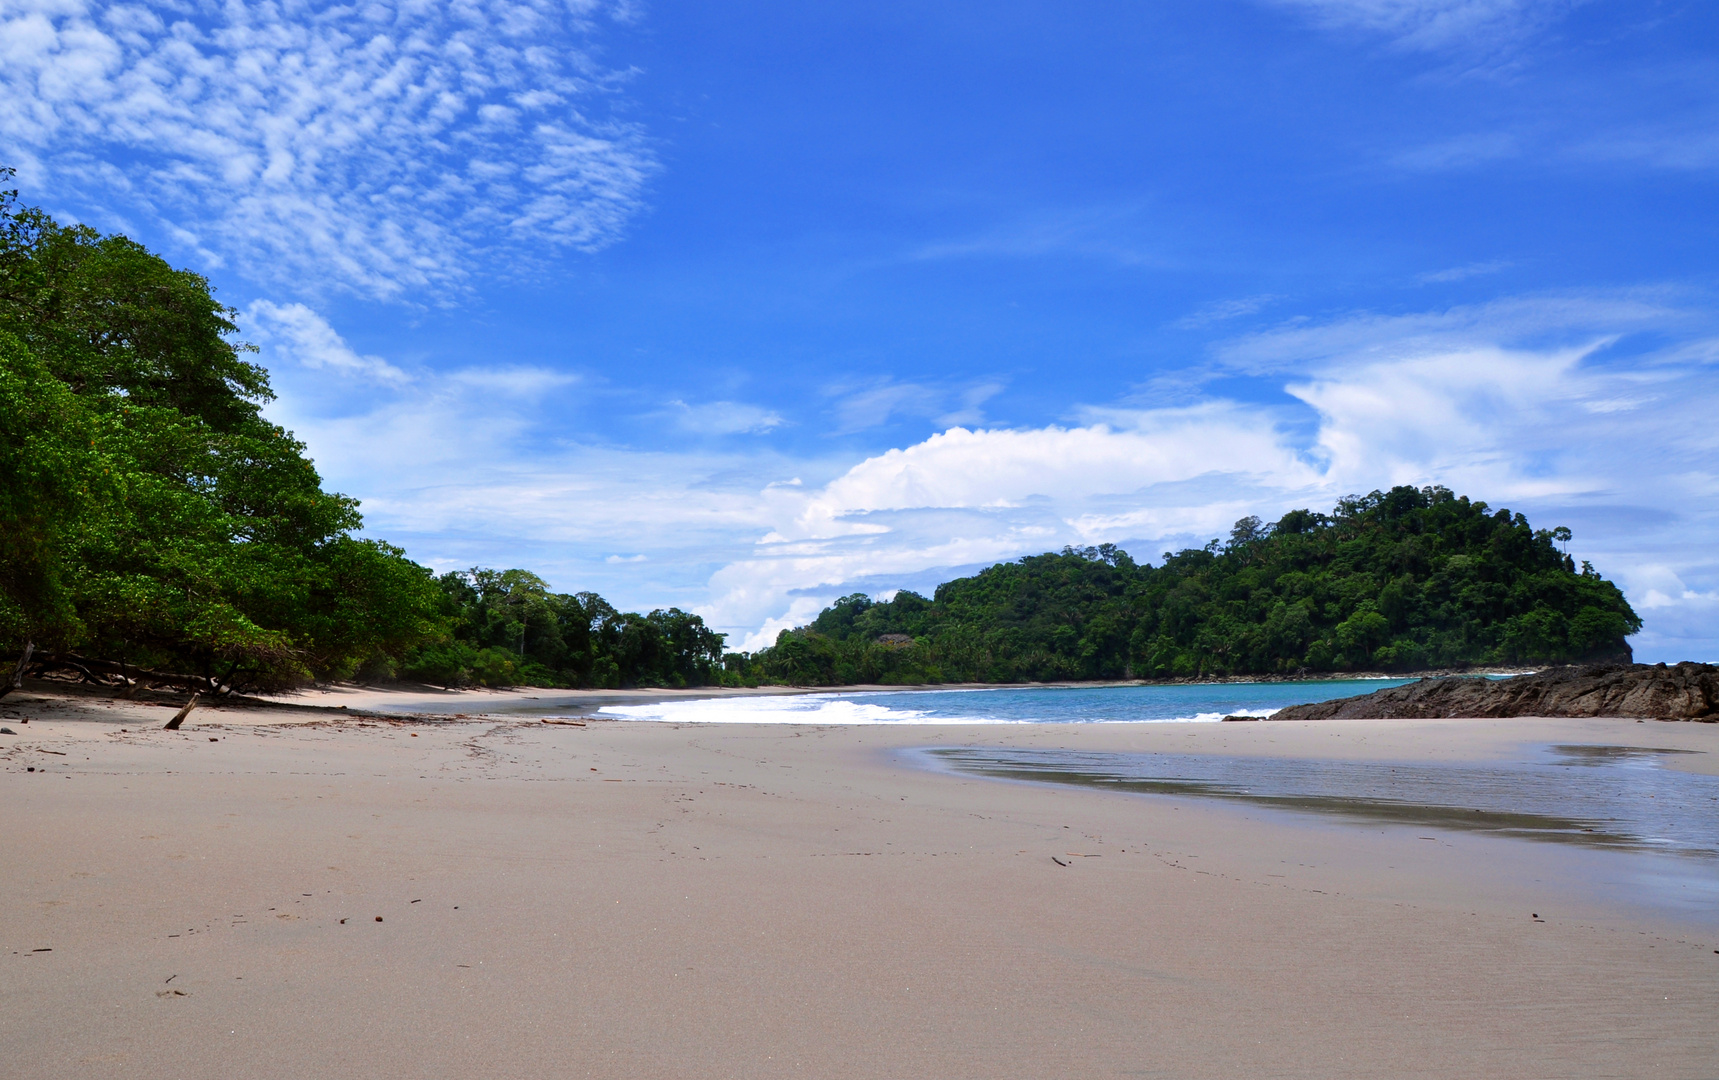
[
  {"x": 860, "y": 407},
  {"x": 1556, "y": 319},
  {"x": 1109, "y": 233},
  {"x": 1438, "y": 25},
  {"x": 1221, "y": 310},
  {"x": 377, "y": 148},
  {"x": 1462, "y": 273},
  {"x": 298, "y": 334},
  {"x": 723, "y": 418},
  {"x": 1458, "y": 152}
]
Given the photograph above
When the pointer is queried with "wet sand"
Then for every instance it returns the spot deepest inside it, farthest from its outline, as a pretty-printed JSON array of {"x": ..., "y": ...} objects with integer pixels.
[{"x": 654, "y": 900}]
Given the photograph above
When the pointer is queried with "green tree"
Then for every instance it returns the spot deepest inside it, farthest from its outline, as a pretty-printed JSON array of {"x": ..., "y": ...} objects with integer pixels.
[
  {"x": 154, "y": 516},
  {"x": 52, "y": 479}
]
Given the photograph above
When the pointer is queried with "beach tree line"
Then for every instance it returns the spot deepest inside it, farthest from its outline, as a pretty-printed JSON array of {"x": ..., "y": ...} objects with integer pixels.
[
  {"x": 1404, "y": 580},
  {"x": 504, "y": 627},
  {"x": 155, "y": 525}
]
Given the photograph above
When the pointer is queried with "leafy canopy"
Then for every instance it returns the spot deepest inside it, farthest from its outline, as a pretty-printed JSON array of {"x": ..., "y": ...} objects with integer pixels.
[
  {"x": 506, "y": 627},
  {"x": 151, "y": 514}
]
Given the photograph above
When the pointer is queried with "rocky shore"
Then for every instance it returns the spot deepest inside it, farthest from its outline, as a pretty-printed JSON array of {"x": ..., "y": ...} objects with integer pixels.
[{"x": 1685, "y": 691}]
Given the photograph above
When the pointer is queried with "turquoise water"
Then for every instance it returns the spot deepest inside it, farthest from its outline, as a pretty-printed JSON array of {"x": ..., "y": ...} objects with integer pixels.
[{"x": 1006, "y": 705}]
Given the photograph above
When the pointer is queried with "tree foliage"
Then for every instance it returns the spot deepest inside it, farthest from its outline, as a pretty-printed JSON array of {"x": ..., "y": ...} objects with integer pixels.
[
  {"x": 1403, "y": 580},
  {"x": 151, "y": 514},
  {"x": 505, "y": 627}
]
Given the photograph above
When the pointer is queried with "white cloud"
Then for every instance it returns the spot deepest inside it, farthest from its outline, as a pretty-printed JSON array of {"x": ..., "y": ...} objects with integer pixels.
[
  {"x": 1528, "y": 321},
  {"x": 514, "y": 380},
  {"x": 1005, "y": 468},
  {"x": 874, "y": 404},
  {"x": 1483, "y": 399},
  {"x": 1220, "y": 310},
  {"x": 723, "y": 418},
  {"x": 1565, "y": 433},
  {"x": 295, "y": 333},
  {"x": 1462, "y": 273},
  {"x": 380, "y": 148}
]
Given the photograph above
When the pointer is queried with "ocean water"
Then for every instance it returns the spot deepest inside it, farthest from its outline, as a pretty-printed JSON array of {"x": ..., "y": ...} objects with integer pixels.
[{"x": 1189, "y": 702}]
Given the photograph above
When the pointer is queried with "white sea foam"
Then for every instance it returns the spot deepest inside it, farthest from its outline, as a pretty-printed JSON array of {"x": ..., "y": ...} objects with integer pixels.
[
  {"x": 796, "y": 709},
  {"x": 844, "y": 709}
]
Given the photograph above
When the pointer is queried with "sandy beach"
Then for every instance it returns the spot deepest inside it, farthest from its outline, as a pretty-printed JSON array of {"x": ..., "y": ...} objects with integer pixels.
[{"x": 280, "y": 891}]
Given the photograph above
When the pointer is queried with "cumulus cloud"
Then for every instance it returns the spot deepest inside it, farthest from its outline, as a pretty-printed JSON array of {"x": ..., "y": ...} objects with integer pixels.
[
  {"x": 968, "y": 497},
  {"x": 381, "y": 147},
  {"x": 1568, "y": 433},
  {"x": 1491, "y": 400}
]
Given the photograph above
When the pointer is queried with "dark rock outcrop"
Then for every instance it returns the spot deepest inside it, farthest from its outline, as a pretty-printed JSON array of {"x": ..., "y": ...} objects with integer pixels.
[{"x": 1686, "y": 691}]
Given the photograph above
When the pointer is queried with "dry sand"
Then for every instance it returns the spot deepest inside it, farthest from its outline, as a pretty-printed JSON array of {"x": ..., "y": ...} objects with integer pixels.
[{"x": 655, "y": 900}]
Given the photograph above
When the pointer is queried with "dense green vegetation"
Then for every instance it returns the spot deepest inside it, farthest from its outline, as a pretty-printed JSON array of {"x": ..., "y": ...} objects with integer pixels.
[
  {"x": 151, "y": 518},
  {"x": 1393, "y": 581},
  {"x": 506, "y": 627}
]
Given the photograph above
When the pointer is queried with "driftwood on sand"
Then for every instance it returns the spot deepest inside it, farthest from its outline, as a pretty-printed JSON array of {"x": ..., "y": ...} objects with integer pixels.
[
  {"x": 1685, "y": 691},
  {"x": 179, "y": 717}
]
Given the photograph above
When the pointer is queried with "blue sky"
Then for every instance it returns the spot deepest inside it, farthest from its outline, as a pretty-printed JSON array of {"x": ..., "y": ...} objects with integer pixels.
[{"x": 744, "y": 307}]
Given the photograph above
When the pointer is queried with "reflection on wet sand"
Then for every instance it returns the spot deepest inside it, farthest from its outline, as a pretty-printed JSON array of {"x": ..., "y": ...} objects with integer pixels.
[{"x": 1617, "y": 797}]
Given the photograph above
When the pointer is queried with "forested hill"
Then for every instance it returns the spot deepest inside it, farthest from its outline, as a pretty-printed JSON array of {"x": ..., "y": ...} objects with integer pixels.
[{"x": 1402, "y": 580}]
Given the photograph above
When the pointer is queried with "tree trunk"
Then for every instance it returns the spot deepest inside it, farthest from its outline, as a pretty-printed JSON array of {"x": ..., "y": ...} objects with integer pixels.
[
  {"x": 223, "y": 688},
  {"x": 17, "y": 680}
]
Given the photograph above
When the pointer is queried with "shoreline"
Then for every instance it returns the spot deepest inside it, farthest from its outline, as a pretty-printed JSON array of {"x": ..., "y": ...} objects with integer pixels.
[
  {"x": 326, "y": 696},
  {"x": 407, "y": 700}
]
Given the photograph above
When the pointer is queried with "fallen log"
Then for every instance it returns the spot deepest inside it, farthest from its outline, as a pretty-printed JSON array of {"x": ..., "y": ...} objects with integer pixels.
[{"x": 88, "y": 666}]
